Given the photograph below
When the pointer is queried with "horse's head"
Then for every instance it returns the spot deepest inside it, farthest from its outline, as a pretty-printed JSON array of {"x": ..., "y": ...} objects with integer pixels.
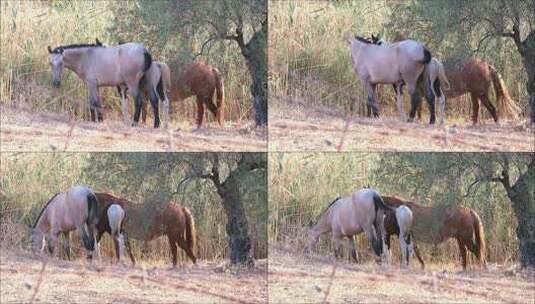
[
  {"x": 37, "y": 238},
  {"x": 56, "y": 63},
  {"x": 313, "y": 235}
]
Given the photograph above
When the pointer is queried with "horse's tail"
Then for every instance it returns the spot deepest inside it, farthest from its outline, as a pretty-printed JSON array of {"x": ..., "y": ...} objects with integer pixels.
[
  {"x": 92, "y": 219},
  {"x": 165, "y": 80},
  {"x": 442, "y": 74},
  {"x": 220, "y": 92},
  {"x": 427, "y": 56},
  {"x": 191, "y": 238},
  {"x": 378, "y": 222},
  {"x": 479, "y": 238},
  {"x": 506, "y": 105},
  {"x": 147, "y": 58}
]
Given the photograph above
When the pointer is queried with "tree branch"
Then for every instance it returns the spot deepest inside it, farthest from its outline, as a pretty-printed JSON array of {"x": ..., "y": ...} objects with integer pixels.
[{"x": 201, "y": 52}]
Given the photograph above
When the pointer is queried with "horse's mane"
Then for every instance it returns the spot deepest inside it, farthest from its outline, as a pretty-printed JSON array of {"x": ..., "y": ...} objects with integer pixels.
[
  {"x": 74, "y": 46},
  {"x": 327, "y": 208},
  {"x": 362, "y": 39},
  {"x": 43, "y": 210}
]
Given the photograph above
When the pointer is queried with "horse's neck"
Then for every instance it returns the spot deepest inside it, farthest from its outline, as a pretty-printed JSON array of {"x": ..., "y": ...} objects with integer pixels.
[
  {"x": 43, "y": 223},
  {"x": 74, "y": 59},
  {"x": 324, "y": 223}
]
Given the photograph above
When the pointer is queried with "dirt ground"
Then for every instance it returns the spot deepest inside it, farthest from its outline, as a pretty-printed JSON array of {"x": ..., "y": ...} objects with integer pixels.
[
  {"x": 75, "y": 282},
  {"x": 296, "y": 279},
  {"x": 22, "y": 130},
  {"x": 296, "y": 126}
]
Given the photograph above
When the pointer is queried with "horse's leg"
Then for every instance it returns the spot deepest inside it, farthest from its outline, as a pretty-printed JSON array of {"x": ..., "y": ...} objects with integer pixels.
[
  {"x": 486, "y": 102},
  {"x": 154, "y": 103},
  {"x": 415, "y": 100},
  {"x": 67, "y": 245},
  {"x": 399, "y": 101},
  {"x": 138, "y": 102},
  {"x": 354, "y": 253},
  {"x": 417, "y": 253},
  {"x": 95, "y": 105},
  {"x": 129, "y": 248},
  {"x": 165, "y": 104},
  {"x": 200, "y": 111},
  {"x": 337, "y": 239},
  {"x": 81, "y": 234},
  {"x": 463, "y": 252},
  {"x": 387, "y": 246},
  {"x": 174, "y": 249},
  {"x": 430, "y": 96},
  {"x": 124, "y": 105},
  {"x": 475, "y": 108},
  {"x": 211, "y": 106},
  {"x": 184, "y": 245},
  {"x": 370, "y": 88}
]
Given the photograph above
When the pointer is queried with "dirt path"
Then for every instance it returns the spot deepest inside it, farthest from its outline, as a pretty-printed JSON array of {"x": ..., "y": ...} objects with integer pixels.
[
  {"x": 25, "y": 131},
  {"x": 294, "y": 126},
  {"x": 73, "y": 282},
  {"x": 295, "y": 279}
]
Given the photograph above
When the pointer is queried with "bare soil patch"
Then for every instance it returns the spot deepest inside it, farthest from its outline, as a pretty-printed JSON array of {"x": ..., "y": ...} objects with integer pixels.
[
  {"x": 297, "y": 126},
  {"x": 296, "y": 279},
  {"x": 22, "y": 130},
  {"x": 75, "y": 282}
]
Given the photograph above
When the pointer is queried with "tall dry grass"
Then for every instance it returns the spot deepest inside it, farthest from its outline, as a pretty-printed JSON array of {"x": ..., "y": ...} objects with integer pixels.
[
  {"x": 28, "y": 27},
  {"x": 309, "y": 58},
  {"x": 301, "y": 186}
]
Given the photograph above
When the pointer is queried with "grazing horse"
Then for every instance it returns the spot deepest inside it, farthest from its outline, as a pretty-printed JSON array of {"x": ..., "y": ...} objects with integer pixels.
[
  {"x": 75, "y": 209},
  {"x": 99, "y": 66},
  {"x": 475, "y": 76},
  {"x": 435, "y": 73},
  {"x": 404, "y": 222},
  {"x": 348, "y": 216},
  {"x": 437, "y": 224},
  {"x": 202, "y": 81},
  {"x": 174, "y": 221},
  {"x": 398, "y": 64}
]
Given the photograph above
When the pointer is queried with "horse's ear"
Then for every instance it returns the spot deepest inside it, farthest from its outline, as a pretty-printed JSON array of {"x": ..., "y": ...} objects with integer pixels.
[
  {"x": 98, "y": 42},
  {"x": 49, "y": 50},
  {"x": 373, "y": 37}
]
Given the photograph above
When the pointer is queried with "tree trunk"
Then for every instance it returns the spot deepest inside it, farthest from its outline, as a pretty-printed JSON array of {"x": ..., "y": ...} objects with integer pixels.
[
  {"x": 527, "y": 51},
  {"x": 522, "y": 194},
  {"x": 237, "y": 226},
  {"x": 255, "y": 55}
]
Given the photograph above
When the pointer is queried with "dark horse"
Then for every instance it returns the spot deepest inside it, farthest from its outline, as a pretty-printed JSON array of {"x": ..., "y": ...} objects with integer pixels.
[
  {"x": 437, "y": 224},
  {"x": 175, "y": 221}
]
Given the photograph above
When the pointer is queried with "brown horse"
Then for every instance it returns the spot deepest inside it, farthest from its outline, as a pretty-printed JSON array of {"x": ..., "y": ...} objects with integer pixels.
[
  {"x": 202, "y": 81},
  {"x": 174, "y": 221},
  {"x": 437, "y": 224},
  {"x": 475, "y": 76}
]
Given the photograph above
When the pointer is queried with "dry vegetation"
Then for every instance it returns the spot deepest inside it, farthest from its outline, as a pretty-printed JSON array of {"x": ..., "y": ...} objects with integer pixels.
[
  {"x": 46, "y": 123},
  {"x": 294, "y": 278},
  {"x": 295, "y": 125},
  {"x": 46, "y": 280}
]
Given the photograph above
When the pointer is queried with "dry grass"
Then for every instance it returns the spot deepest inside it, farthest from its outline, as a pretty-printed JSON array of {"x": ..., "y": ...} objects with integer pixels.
[
  {"x": 77, "y": 282},
  {"x": 23, "y": 130},
  {"x": 298, "y": 126},
  {"x": 296, "y": 279}
]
